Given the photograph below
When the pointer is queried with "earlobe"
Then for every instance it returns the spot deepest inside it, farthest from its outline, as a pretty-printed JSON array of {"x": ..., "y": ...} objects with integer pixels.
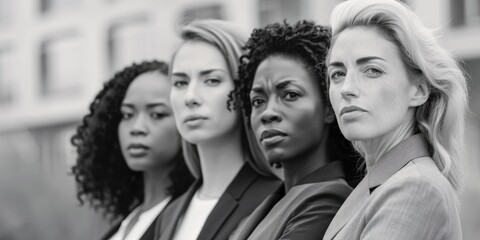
[{"x": 420, "y": 93}]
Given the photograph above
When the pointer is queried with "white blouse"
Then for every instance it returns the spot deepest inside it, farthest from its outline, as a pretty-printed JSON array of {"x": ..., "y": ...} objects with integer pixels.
[
  {"x": 144, "y": 221},
  {"x": 194, "y": 218}
]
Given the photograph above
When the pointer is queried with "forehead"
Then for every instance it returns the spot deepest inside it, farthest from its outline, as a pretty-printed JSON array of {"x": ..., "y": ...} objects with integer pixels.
[
  {"x": 197, "y": 55},
  {"x": 361, "y": 41},
  {"x": 146, "y": 86},
  {"x": 275, "y": 69},
  {"x": 278, "y": 66}
]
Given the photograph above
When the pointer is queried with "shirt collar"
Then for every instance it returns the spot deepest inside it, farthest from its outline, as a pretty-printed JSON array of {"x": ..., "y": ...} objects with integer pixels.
[{"x": 413, "y": 147}]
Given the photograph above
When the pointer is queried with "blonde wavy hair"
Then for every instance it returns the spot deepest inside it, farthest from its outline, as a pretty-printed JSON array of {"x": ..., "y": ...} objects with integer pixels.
[
  {"x": 441, "y": 119},
  {"x": 229, "y": 39}
]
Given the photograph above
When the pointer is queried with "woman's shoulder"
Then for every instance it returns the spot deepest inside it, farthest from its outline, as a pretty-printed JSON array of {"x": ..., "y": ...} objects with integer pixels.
[
  {"x": 418, "y": 184},
  {"x": 421, "y": 175},
  {"x": 320, "y": 193},
  {"x": 336, "y": 186}
]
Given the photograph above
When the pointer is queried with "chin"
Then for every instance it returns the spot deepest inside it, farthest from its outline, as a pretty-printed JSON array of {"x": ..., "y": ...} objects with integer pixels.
[
  {"x": 274, "y": 157},
  {"x": 138, "y": 165}
]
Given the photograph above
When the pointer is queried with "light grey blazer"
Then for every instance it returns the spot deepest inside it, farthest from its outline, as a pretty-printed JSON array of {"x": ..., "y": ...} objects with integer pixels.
[{"x": 403, "y": 196}]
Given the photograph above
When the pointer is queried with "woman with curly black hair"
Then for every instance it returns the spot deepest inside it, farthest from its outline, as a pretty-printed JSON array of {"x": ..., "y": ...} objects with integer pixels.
[
  {"x": 129, "y": 161},
  {"x": 283, "y": 93}
]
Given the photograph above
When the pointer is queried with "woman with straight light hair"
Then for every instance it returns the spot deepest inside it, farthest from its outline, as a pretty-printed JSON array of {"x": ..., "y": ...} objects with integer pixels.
[
  {"x": 232, "y": 176},
  {"x": 401, "y": 99}
]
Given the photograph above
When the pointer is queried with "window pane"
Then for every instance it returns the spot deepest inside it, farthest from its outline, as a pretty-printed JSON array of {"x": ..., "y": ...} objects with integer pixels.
[
  {"x": 202, "y": 12},
  {"x": 130, "y": 42},
  {"x": 6, "y": 12},
  {"x": 472, "y": 11},
  {"x": 61, "y": 66},
  {"x": 7, "y": 76},
  {"x": 272, "y": 11},
  {"x": 57, "y": 5}
]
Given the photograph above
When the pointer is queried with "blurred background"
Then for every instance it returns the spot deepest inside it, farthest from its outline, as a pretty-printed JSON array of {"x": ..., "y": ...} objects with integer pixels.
[{"x": 56, "y": 54}]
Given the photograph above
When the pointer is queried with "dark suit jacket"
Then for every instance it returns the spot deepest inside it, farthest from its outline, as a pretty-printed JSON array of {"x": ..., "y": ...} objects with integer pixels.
[
  {"x": 304, "y": 212},
  {"x": 247, "y": 190},
  {"x": 148, "y": 235}
]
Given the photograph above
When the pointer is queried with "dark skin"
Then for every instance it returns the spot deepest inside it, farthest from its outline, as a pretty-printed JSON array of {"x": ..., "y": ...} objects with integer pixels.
[{"x": 286, "y": 105}]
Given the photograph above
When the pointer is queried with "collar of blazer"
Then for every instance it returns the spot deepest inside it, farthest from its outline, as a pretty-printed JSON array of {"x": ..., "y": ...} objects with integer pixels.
[
  {"x": 413, "y": 147},
  {"x": 228, "y": 202}
]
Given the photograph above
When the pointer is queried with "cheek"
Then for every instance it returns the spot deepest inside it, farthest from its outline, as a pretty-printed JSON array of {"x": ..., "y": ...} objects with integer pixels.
[
  {"x": 166, "y": 135},
  {"x": 255, "y": 120},
  {"x": 334, "y": 97},
  {"x": 175, "y": 100},
  {"x": 122, "y": 133}
]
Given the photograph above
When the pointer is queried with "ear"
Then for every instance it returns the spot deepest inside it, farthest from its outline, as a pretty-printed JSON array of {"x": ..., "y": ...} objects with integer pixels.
[
  {"x": 419, "y": 92},
  {"x": 329, "y": 115}
]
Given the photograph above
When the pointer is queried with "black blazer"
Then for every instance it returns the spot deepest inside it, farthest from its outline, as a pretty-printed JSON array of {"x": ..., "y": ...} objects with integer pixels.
[
  {"x": 247, "y": 190},
  {"x": 304, "y": 212},
  {"x": 148, "y": 235}
]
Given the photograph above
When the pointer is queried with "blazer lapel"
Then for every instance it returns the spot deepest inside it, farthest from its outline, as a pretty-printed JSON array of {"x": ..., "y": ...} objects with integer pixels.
[
  {"x": 171, "y": 219},
  {"x": 112, "y": 230},
  {"x": 413, "y": 147},
  {"x": 227, "y": 202},
  {"x": 354, "y": 202},
  {"x": 149, "y": 233},
  {"x": 260, "y": 212}
]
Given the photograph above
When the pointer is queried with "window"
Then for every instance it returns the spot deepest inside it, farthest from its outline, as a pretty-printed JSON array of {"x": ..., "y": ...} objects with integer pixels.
[
  {"x": 47, "y": 6},
  {"x": 272, "y": 11},
  {"x": 6, "y": 12},
  {"x": 130, "y": 41},
  {"x": 472, "y": 11},
  {"x": 202, "y": 12},
  {"x": 7, "y": 76},
  {"x": 61, "y": 68},
  {"x": 465, "y": 12}
]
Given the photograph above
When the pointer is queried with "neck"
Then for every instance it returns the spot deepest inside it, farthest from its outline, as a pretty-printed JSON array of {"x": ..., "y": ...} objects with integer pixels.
[
  {"x": 155, "y": 189},
  {"x": 300, "y": 166},
  {"x": 220, "y": 162},
  {"x": 374, "y": 149}
]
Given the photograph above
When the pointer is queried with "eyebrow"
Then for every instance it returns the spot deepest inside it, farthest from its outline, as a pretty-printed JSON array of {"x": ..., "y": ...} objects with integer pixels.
[
  {"x": 283, "y": 84},
  {"x": 149, "y": 105},
  {"x": 280, "y": 86},
  {"x": 359, "y": 61},
  {"x": 202, "y": 73}
]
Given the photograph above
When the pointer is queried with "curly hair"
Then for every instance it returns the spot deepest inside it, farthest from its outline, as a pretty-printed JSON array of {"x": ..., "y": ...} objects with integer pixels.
[
  {"x": 304, "y": 42},
  {"x": 102, "y": 175},
  {"x": 307, "y": 43}
]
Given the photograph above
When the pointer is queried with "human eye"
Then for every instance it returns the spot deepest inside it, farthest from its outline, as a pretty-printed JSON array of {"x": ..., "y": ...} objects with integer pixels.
[
  {"x": 179, "y": 83},
  {"x": 291, "y": 95},
  {"x": 158, "y": 115},
  {"x": 336, "y": 75},
  {"x": 373, "y": 72},
  {"x": 212, "y": 81},
  {"x": 256, "y": 102},
  {"x": 126, "y": 115}
]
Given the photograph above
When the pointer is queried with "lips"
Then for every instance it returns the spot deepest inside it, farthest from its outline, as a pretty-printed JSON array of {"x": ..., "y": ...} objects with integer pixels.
[
  {"x": 137, "y": 150},
  {"x": 194, "y": 118},
  {"x": 272, "y": 136},
  {"x": 352, "y": 108}
]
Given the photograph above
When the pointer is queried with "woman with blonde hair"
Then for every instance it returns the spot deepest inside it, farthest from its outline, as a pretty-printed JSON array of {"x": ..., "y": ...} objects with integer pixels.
[
  {"x": 401, "y": 99},
  {"x": 232, "y": 176}
]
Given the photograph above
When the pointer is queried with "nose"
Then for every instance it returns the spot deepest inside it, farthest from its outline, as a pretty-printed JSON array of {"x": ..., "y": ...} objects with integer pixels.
[
  {"x": 349, "y": 87},
  {"x": 139, "y": 126},
  {"x": 192, "y": 97},
  {"x": 271, "y": 114}
]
